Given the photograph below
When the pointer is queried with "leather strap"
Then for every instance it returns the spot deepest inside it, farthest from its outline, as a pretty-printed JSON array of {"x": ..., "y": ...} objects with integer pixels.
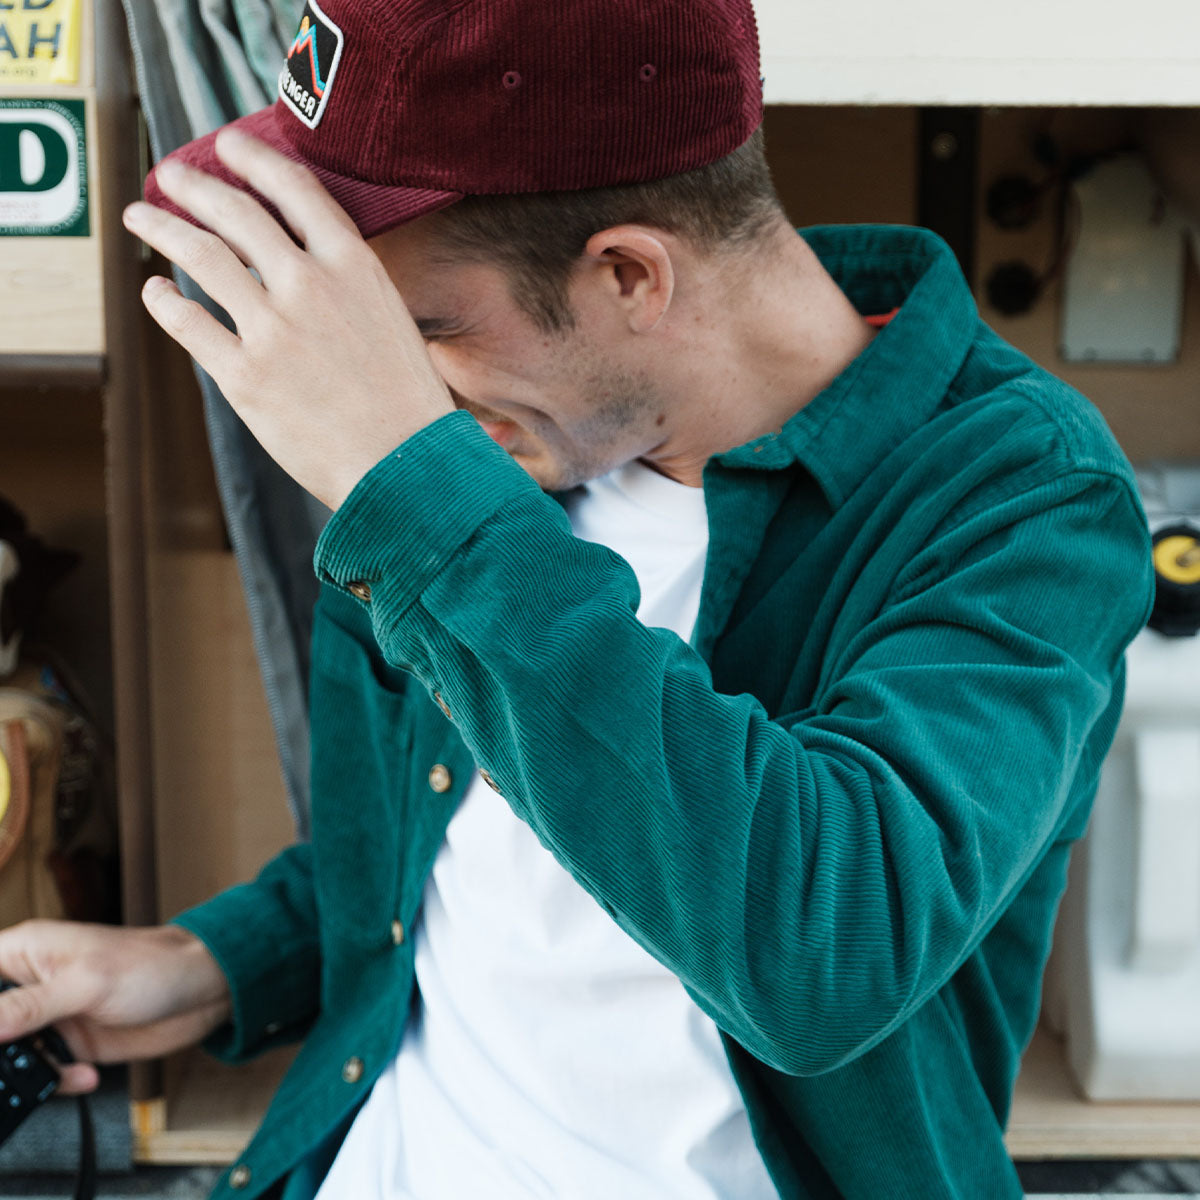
[{"x": 15, "y": 749}]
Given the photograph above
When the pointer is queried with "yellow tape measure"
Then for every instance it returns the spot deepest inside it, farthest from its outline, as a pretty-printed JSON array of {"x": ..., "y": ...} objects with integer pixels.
[{"x": 1177, "y": 558}]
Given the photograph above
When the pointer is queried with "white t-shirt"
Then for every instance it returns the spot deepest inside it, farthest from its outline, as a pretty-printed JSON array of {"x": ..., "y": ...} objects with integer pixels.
[{"x": 550, "y": 1056}]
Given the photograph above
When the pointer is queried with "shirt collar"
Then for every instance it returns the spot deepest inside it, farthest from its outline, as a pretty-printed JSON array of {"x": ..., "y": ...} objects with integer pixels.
[{"x": 898, "y": 381}]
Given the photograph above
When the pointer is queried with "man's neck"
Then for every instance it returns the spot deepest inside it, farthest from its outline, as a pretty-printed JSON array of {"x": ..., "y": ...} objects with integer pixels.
[{"x": 781, "y": 333}]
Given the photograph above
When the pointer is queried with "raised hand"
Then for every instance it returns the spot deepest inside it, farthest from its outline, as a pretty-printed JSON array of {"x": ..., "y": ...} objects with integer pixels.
[{"x": 326, "y": 368}]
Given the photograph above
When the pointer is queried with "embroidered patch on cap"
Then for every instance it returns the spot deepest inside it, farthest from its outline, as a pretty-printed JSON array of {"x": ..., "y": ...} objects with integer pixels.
[{"x": 312, "y": 61}]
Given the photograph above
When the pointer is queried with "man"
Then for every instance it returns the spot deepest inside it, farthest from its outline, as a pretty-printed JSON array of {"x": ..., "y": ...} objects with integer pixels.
[{"x": 722, "y": 865}]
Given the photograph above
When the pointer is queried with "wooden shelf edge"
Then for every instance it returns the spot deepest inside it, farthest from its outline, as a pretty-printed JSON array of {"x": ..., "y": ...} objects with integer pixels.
[
  {"x": 979, "y": 83},
  {"x": 55, "y": 370},
  {"x": 188, "y": 1148},
  {"x": 1051, "y": 1120},
  {"x": 209, "y": 1122},
  {"x": 210, "y": 1111}
]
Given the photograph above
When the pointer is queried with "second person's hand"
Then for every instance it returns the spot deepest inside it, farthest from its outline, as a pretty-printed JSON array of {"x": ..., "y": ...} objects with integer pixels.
[{"x": 115, "y": 994}]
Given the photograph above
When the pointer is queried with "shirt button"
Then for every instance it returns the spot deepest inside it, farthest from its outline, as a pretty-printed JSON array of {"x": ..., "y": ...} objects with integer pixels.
[
  {"x": 239, "y": 1177},
  {"x": 441, "y": 703},
  {"x": 439, "y": 778},
  {"x": 488, "y": 780},
  {"x": 352, "y": 1069},
  {"x": 360, "y": 589},
  {"x": 397, "y": 933}
]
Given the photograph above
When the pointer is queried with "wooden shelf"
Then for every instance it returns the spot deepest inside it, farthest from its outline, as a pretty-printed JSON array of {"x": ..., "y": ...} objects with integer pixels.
[
  {"x": 221, "y": 809},
  {"x": 53, "y": 304},
  {"x": 51, "y": 288},
  {"x": 212, "y": 1111},
  {"x": 1050, "y": 1120},
  {"x": 41, "y": 371}
]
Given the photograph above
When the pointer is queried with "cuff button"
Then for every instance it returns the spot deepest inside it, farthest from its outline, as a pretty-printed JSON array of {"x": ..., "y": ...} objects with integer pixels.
[
  {"x": 361, "y": 589},
  {"x": 441, "y": 703},
  {"x": 486, "y": 777},
  {"x": 239, "y": 1177},
  {"x": 352, "y": 1069},
  {"x": 439, "y": 778}
]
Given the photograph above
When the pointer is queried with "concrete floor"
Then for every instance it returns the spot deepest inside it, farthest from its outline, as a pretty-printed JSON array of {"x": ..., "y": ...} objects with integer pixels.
[
  {"x": 1047, "y": 1181},
  {"x": 161, "y": 1183},
  {"x": 1180, "y": 1178}
]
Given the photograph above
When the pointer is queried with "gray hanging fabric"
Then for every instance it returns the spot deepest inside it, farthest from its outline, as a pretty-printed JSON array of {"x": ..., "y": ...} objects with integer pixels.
[{"x": 201, "y": 63}]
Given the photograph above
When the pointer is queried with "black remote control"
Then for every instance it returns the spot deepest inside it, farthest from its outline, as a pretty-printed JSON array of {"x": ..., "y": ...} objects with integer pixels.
[{"x": 27, "y": 1079}]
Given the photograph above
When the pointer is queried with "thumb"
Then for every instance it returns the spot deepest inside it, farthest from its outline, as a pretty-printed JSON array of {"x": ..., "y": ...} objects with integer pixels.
[{"x": 32, "y": 1006}]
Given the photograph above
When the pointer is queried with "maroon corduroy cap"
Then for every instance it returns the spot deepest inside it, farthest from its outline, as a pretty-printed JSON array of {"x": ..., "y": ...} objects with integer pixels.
[{"x": 401, "y": 107}]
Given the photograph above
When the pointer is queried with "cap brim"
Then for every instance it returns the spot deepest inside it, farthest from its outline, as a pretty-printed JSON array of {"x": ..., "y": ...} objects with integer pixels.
[{"x": 373, "y": 207}]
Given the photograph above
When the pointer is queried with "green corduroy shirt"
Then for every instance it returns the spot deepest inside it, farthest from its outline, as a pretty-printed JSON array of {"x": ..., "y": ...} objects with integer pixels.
[{"x": 841, "y": 816}]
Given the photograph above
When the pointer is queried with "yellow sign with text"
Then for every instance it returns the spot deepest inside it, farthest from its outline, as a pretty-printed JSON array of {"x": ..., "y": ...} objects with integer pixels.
[{"x": 39, "y": 41}]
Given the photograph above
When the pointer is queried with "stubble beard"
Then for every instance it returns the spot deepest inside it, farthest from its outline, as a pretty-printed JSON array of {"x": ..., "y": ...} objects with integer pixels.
[{"x": 621, "y": 427}]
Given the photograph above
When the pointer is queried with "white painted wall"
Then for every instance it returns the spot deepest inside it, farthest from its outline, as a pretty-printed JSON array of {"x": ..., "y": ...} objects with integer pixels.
[{"x": 1018, "y": 52}]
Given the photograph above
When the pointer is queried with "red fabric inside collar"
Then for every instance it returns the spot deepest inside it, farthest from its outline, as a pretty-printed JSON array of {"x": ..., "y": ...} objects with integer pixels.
[{"x": 882, "y": 319}]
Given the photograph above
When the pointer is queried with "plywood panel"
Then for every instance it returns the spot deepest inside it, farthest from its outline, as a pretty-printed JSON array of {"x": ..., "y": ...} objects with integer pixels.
[
  {"x": 1069, "y": 52},
  {"x": 844, "y": 165},
  {"x": 221, "y": 807},
  {"x": 1153, "y": 410},
  {"x": 50, "y": 295},
  {"x": 848, "y": 165},
  {"x": 211, "y": 1110},
  {"x": 52, "y": 468}
]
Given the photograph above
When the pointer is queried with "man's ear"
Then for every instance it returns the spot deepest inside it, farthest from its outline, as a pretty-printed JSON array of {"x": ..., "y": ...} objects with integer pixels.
[{"x": 633, "y": 268}]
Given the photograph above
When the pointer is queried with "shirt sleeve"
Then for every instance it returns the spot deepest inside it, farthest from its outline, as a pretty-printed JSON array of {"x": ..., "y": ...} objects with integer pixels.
[
  {"x": 812, "y": 881},
  {"x": 264, "y": 937}
]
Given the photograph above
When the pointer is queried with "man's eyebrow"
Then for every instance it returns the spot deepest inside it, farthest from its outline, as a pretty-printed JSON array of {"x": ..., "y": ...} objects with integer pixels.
[{"x": 436, "y": 326}]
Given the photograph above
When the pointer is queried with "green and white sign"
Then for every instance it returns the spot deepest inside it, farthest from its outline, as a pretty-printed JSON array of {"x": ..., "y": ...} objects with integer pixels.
[{"x": 43, "y": 169}]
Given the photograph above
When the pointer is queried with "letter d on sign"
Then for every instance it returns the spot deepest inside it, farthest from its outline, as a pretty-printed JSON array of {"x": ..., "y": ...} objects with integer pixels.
[
  {"x": 43, "y": 168},
  {"x": 33, "y": 157}
]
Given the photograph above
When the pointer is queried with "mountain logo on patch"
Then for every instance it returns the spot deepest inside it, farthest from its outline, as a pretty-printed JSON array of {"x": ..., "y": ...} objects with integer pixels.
[{"x": 312, "y": 61}]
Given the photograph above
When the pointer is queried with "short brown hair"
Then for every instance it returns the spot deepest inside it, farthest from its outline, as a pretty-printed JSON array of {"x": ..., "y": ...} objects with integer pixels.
[{"x": 538, "y": 237}]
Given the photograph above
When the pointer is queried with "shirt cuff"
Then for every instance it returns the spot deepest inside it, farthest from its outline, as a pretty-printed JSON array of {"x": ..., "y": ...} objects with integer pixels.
[
  {"x": 407, "y": 517},
  {"x": 272, "y": 995}
]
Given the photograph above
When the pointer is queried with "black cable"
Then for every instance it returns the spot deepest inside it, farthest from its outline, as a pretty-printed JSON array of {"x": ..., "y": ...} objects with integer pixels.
[{"x": 85, "y": 1181}]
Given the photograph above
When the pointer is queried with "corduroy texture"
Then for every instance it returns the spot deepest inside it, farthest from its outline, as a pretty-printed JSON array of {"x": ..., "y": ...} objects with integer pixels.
[
  {"x": 373, "y": 209},
  {"x": 842, "y": 818},
  {"x": 432, "y": 101}
]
